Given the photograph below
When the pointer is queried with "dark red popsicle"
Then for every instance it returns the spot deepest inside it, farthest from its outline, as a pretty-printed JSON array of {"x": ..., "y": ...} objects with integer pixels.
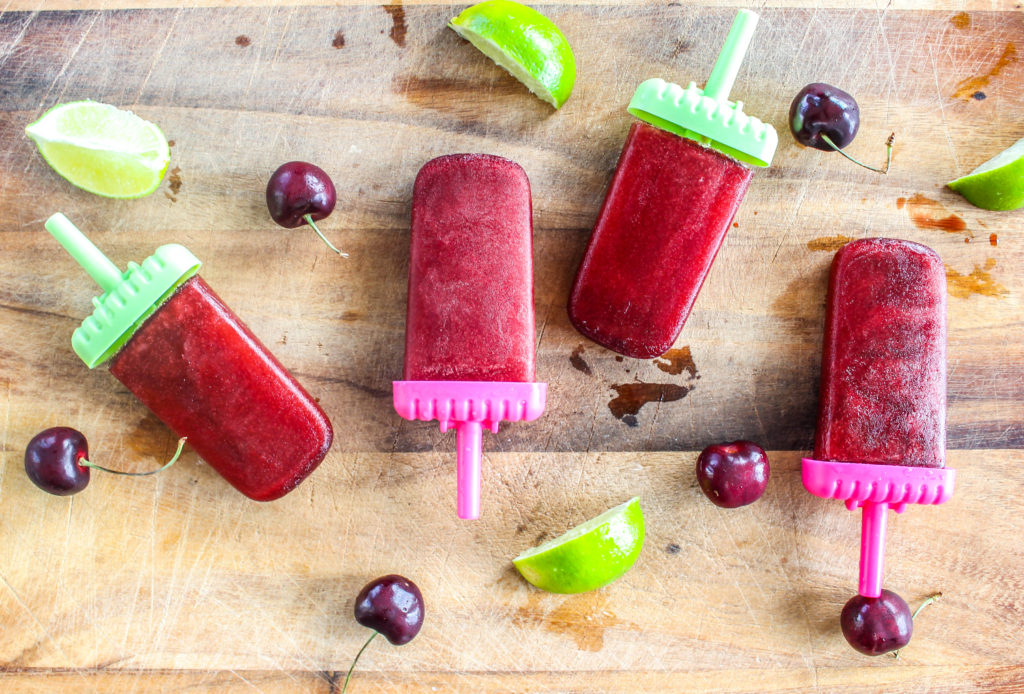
[
  {"x": 668, "y": 208},
  {"x": 883, "y": 372},
  {"x": 204, "y": 374},
  {"x": 470, "y": 313}
]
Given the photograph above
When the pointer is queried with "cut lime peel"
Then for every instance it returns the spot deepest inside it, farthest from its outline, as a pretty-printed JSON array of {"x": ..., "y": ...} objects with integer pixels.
[
  {"x": 1007, "y": 156},
  {"x": 490, "y": 49},
  {"x": 997, "y": 184},
  {"x": 578, "y": 531},
  {"x": 589, "y": 556}
]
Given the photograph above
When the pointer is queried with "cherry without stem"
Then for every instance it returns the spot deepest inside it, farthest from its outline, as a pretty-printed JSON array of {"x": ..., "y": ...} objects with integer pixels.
[
  {"x": 301, "y": 193},
  {"x": 733, "y": 474},
  {"x": 874, "y": 626}
]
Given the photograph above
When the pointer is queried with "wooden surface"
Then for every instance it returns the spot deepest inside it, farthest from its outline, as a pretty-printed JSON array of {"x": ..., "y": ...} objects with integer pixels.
[{"x": 177, "y": 583}]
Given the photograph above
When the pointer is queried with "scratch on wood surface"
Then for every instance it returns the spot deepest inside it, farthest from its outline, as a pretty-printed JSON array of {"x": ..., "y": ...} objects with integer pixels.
[
  {"x": 43, "y": 633},
  {"x": 245, "y": 680},
  {"x": 881, "y": 15},
  {"x": 544, "y": 324},
  {"x": 940, "y": 100},
  {"x": 64, "y": 67},
  {"x": 18, "y": 38},
  {"x": 280, "y": 40},
  {"x": 61, "y": 584},
  {"x": 7, "y": 428},
  {"x": 158, "y": 54}
]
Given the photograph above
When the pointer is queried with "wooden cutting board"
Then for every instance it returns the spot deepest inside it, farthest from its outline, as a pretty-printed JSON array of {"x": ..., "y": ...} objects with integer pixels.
[{"x": 177, "y": 583}]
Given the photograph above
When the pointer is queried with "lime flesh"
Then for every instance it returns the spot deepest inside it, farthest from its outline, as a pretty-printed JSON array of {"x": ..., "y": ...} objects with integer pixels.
[
  {"x": 525, "y": 43},
  {"x": 998, "y": 184},
  {"x": 102, "y": 149},
  {"x": 590, "y": 555}
]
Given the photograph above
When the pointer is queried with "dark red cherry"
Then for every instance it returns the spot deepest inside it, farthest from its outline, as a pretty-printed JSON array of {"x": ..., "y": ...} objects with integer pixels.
[
  {"x": 821, "y": 109},
  {"x": 301, "y": 193},
  {"x": 393, "y": 606},
  {"x": 52, "y": 461},
  {"x": 733, "y": 474},
  {"x": 879, "y": 625},
  {"x": 298, "y": 189}
]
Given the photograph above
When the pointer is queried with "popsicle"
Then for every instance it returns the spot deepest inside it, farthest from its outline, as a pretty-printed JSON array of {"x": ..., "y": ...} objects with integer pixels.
[
  {"x": 880, "y": 439},
  {"x": 680, "y": 179},
  {"x": 183, "y": 353},
  {"x": 470, "y": 358}
]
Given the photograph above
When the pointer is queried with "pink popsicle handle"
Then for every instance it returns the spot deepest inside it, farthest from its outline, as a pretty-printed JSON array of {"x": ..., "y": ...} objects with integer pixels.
[
  {"x": 469, "y": 406},
  {"x": 468, "y": 444},
  {"x": 873, "y": 520},
  {"x": 876, "y": 488}
]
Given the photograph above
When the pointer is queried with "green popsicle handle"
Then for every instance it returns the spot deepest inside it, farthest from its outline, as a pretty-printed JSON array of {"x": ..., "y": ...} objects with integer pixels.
[
  {"x": 99, "y": 266},
  {"x": 723, "y": 75}
]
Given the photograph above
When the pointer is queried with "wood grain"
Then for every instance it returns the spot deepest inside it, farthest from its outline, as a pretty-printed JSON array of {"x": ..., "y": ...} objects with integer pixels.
[
  {"x": 179, "y": 584},
  {"x": 199, "y": 579}
]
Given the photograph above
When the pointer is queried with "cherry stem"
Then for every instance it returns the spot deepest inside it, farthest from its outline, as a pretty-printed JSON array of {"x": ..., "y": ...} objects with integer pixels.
[
  {"x": 927, "y": 601},
  {"x": 177, "y": 454},
  {"x": 344, "y": 687},
  {"x": 888, "y": 152},
  {"x": 309, "y": 220}
]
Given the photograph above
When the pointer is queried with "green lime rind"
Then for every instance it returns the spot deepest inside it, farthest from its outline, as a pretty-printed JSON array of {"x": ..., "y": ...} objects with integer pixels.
[
  {"x": 998, "y": 184},
  {"x": 525, "y": 43},
  {"x": 102, "y": 149},
  {"x": 589, "y": 556}
]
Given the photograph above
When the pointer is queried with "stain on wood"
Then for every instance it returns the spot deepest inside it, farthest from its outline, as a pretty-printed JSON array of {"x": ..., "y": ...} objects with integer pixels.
[
  {"x": 398, "y": 28},
  {"x": 978, "y": 281},
  {"x": 578, "y": 362},
  {"x": 831, "y": 244},
  {"x": 582, "y": 618},
  {"x": 675, "y": 361},
  {"x": 631, "y": 397},
  {"x": 973, "y": 85},
  {"x": 926, "y": 213}
]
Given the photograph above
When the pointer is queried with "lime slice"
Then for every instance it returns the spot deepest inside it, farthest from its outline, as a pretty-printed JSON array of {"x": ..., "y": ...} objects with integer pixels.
[
  {"x": 998, "y": 184},
  {"x": 102, "y": 149},
  {"x": 524, "y": 42},
  {"x": 590, "y": 555}
]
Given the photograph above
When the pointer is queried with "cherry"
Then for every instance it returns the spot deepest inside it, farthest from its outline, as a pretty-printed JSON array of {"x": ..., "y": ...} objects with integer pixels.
[
  {"x": 827, "y": 118},
  {"x": 53, "y": 461},
  {"x": 733, "y": 474},
  {"x": 391, "y": 605},
  {"x": 879, "y": 625},
  {"x": 820, "y": 109},
  {"x": 56, "y": 460},
  {"x": 301, "y": 193}
]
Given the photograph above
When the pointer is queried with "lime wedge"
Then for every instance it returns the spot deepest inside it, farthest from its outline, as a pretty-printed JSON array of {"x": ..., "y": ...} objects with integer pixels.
[
  {"x": 590, "y": 555},
  {"x": 524, "y": 42},
  {"x": 998, "y": 184},
  {"x": 102, "y": 149}
]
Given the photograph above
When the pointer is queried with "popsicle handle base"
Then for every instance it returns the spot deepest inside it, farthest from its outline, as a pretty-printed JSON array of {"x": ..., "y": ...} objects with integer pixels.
[
  {"x": 469, "y": 406},
  {"x": 875, "y": 489}
]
